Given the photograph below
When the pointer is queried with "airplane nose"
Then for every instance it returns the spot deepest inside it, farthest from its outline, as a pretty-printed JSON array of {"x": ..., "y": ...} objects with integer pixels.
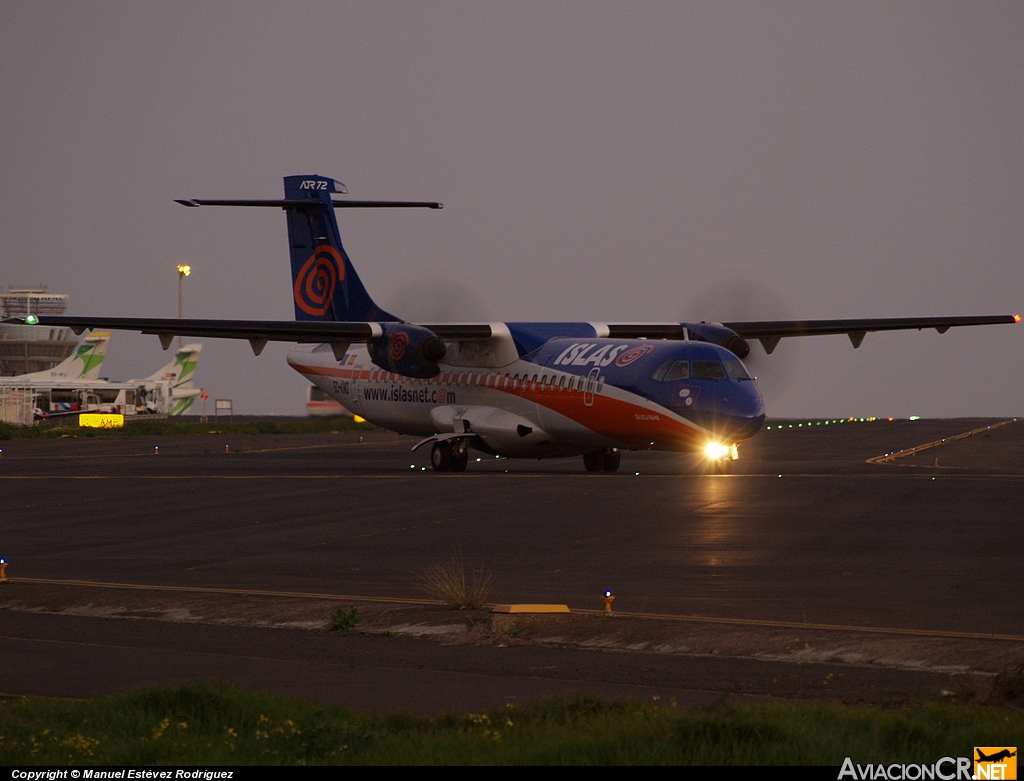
[{"x": 741, "y": 414}]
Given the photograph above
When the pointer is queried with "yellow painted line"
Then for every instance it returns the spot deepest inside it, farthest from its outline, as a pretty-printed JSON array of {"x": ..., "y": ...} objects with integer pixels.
[
  {"x": 197, "y": 477},
  {"x": 304, "y": 447},
  {"x": 169, "y": 452},
  {"x": 401, "y": 529},
  {"x": 911, "y": 451},
  {"x": 523, "y": 476},
  {"x": 881, "y": 630},
  {"x": 232, "y": 591},
  {"x": 762, "y": 623}
]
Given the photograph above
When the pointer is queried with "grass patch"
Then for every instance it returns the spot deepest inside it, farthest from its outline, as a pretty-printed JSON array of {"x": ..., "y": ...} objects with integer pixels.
[
  {"x": 200, "y": 724},
  {"x": 344, "y": 620},
  {"x": 325, "y": 425},
  {"x": 447, "y": 582}
]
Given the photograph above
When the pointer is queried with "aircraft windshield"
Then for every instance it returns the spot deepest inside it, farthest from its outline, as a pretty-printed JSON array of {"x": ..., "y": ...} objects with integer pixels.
[
  {"x": 673, "y": 370},
  {"x": 708, "y": 370},
  {"x": 735, "y": 370},
  {"x": 680, "y": 371}
]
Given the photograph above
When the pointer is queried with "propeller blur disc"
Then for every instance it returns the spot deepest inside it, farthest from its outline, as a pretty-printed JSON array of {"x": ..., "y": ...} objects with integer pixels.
[{"x": 739, "y": 299}]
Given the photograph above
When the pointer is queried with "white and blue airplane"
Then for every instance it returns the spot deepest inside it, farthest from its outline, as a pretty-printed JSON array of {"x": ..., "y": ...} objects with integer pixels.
[{"x": 515, "y": 389}]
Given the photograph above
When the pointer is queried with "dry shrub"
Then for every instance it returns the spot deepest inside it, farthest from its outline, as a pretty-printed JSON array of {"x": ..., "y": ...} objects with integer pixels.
[
  {"x": 1008, "y": 687},
  {"x": 447, "y": 582},
  {"x": 343, "y": 620}
]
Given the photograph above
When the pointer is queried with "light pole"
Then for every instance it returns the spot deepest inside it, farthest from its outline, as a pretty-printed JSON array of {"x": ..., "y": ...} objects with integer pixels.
[{"x": 183, "y": 271}]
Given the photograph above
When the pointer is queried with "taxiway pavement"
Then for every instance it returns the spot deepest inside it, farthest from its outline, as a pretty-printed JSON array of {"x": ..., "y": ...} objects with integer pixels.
[{"x": 805, "y": 530}]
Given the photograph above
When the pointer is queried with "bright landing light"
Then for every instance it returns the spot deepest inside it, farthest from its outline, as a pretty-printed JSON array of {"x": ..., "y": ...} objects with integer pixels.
[{"x": 716, "y": 450}]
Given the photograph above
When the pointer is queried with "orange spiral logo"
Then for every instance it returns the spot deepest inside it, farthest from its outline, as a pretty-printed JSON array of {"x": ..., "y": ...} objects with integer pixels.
[
  {"x": 397, "y": 345},
  {"x": 633, "y": 355},
  {"x": 317, "y": 280}
]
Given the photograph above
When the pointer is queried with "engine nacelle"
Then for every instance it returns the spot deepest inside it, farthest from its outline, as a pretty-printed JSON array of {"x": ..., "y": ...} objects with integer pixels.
[
  {"x": 408, "y": 350},
  {"x": 720, "y": 335}
]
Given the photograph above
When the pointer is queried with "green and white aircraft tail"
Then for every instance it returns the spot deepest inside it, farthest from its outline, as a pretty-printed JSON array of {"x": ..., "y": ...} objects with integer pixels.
[
  {"x": 83, "y": 365},
  {"x": 181, "y": 374}
]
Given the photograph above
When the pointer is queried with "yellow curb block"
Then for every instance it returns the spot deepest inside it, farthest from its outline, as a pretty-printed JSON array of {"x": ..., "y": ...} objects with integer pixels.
[{"x": 530, "y": 609}]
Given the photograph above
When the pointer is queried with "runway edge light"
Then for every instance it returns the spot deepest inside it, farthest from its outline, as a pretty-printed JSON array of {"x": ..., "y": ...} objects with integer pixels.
[
  {"x": 3, "y": 570},
  {"x": 608, "y": 599}
]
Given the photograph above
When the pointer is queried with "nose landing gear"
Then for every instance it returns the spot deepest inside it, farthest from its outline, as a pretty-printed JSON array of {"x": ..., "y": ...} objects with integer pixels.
[
  {"x": 718, "y": 466},
  {"x": 719, "y": 458}
]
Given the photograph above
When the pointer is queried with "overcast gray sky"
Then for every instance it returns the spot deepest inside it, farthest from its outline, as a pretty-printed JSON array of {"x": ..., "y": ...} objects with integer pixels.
[{"x": 597, "y": 161}]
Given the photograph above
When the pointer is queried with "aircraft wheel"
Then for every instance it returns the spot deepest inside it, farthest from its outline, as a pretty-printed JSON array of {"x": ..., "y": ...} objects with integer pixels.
[
  {"x": 441, "y": 456},
  {"x": 594, "y": 462},
  {"x": 610, "y": 462},
  {"x": 459, "y": 462}
]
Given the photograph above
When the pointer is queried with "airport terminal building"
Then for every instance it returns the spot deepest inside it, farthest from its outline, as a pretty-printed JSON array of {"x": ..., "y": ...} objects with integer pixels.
[
  {"x": 32, "y": 348},
  {"x": 25, "y": 349}
]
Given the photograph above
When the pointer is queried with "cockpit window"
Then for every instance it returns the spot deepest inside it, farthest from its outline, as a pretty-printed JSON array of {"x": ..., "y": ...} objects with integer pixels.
[
  {"x": 708, "y": 370},
  {"x": 680, "y": 371},
  {"x": 672, "y": 370},
  {"x": 735, "y": 369}
]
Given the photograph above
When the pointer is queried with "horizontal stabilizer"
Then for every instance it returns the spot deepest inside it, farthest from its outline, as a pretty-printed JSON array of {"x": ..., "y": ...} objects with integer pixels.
[{"x": 300, "y": 202}]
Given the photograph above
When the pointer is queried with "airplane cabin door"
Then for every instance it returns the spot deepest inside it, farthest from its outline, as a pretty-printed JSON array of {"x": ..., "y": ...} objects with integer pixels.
[
  {"x": 588, "y": 390},
  {"x": 355, "y": 402}
]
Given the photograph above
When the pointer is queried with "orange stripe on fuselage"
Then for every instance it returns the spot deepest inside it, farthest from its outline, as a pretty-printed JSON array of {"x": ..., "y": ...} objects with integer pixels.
[{"x": 624, "y": 422}]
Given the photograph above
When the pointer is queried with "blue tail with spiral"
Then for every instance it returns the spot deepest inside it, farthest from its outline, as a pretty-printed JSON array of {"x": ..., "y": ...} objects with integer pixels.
[{"x": 325, "y": 285}]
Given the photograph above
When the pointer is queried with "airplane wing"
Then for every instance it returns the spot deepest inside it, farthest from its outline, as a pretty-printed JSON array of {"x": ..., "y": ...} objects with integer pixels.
[
  {"x": 769, "y": 332},
  {"x": 301, "y": 332},
  {"x": 259, "y": 332}
]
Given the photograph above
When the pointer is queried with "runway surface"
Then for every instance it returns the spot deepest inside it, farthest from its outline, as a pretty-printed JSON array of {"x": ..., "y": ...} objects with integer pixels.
[{"x": 805, "y": 530}]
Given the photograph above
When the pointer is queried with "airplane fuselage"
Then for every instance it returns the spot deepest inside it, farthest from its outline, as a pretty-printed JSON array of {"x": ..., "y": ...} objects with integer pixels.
[
  {"x": 524, "y": 389},
  {"x": 566, "y": 397}
]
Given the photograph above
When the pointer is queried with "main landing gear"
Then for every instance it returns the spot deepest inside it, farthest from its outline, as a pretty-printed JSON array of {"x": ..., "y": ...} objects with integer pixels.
[
  {"x": 606, "y": 460},
  {"x": 447, "y": 456}
]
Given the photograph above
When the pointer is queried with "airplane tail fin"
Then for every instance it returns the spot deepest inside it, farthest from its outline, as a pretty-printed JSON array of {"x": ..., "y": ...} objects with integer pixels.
[
  {"x": 325, "y": 285},
  {"x": 181, "y": 371},
  {"x": 181, "y": 374},
  {"x": 83, "y": 365}
]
